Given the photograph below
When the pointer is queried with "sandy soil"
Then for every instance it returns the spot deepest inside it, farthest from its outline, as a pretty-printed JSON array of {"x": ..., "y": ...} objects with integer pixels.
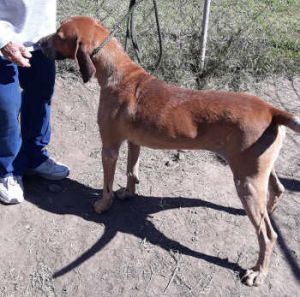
[{"x": 186, "y": 233}]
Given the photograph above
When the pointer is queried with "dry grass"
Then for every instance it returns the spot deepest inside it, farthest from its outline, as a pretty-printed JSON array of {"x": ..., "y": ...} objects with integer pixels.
[{"x": 248, "y": 40}]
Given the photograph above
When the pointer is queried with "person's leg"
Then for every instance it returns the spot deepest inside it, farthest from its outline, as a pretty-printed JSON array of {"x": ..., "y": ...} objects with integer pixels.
[
  {"x": 37, "y": 83},
  {"x": 10, "y": 103},
  {"x": 11, "y": 187}
]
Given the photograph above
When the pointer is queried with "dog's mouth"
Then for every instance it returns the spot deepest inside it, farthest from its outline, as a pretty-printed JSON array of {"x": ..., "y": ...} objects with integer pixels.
[
  {"x": 45, "y": 45},
  {"x": 59, "y": 56},
  {"x": 52, "y": 54}
]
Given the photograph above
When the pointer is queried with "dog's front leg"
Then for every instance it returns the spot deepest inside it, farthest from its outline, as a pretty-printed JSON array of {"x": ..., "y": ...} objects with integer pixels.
[
  {"x": 109, "y": 160},
  {"x": 132, "y": 167},
  {"x": 132, "y": 171}
]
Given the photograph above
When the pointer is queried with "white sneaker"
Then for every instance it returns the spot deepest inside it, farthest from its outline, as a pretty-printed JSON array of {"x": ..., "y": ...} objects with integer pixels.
[
  {"x": 51, "y": 170},
  {"x": 11, "y": 190}
]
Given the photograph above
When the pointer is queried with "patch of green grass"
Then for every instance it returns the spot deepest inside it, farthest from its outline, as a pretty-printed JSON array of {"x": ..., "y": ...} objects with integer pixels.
[{"x": 247, "y": 38}]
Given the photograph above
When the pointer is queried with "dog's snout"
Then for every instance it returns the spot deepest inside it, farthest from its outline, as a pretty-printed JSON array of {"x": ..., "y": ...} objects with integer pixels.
[
  {"x": 38, "y": 44},
  {"x": 43, "y": 42},
  {"x": 46, "y": 46}
]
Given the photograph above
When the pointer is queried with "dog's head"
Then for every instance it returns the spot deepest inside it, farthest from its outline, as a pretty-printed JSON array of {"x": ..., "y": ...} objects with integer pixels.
[{"x": 75, "y": 39}]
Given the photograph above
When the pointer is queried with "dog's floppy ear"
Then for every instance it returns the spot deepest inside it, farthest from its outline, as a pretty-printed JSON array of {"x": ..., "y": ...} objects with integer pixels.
[{"x": 86, "y": 66}]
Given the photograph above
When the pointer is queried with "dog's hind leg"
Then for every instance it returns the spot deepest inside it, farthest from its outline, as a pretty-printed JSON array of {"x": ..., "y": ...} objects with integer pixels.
[
  {"x": 132, "y": 172},
  {"x": 253, "y": 193},
  {"x": 275, "y": 190},
  {"x": 253, "y": 175},
  {"x": 275, "y": 186},
  {"x": 109, "y": 160}
]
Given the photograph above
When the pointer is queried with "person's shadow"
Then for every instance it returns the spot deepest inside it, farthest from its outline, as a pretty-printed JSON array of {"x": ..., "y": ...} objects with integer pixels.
[{"x": 130, "y": 216}]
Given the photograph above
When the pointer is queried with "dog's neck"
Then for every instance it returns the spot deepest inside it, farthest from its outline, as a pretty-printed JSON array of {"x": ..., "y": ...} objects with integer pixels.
[{"x": 113, "y": 66}]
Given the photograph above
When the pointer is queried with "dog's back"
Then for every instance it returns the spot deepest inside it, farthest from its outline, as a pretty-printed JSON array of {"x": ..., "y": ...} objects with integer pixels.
[{"x": 167, "y": 116}]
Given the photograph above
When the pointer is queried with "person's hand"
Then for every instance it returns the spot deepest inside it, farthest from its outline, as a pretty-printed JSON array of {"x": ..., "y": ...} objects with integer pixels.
[{"x": 17, "y": 54}]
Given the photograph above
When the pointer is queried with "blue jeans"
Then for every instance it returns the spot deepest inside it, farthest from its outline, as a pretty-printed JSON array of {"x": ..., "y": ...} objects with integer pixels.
[{"x": 25, "y": 115}]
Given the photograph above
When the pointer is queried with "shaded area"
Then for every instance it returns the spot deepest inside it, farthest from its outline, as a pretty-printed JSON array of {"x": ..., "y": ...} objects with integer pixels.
[
  {"x": 130, "y": 216},
  {"x": 291, "y": 184},
  {"x": 286, "y": 251}
]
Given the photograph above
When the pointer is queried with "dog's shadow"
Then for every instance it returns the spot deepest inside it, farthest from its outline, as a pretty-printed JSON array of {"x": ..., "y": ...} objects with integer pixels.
[
  {"x": 291, "y": 184},
  {"x": 130, "y": 216}
]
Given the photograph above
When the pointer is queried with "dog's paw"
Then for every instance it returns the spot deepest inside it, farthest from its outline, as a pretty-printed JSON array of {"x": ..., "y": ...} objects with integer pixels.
[
  {"x": 123, "y": 194},
  {"x": 102, "y": 205},
  {"x": 254, "y": 278}
]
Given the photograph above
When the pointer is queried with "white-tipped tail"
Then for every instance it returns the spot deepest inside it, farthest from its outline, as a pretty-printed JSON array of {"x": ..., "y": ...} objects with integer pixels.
[
  {"x": 287, "y": 119},
  {"x": 295, "y": 124}
]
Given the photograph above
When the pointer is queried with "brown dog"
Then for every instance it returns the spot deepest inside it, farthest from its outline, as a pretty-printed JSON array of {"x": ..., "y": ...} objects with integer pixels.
[{"x": 146, "y": 111}]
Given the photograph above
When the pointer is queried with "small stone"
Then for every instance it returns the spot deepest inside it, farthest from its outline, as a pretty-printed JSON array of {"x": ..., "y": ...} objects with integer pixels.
[{"x": 178, "y": 156}]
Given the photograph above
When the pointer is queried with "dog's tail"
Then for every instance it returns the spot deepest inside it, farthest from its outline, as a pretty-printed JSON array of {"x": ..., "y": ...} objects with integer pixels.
[{"x": 287, "y": 119}]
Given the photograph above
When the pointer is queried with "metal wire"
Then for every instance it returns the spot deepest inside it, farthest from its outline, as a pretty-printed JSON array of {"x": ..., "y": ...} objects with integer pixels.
[
  {"x": 130, "y": 32},
  {"x": 112, "y": 33}
]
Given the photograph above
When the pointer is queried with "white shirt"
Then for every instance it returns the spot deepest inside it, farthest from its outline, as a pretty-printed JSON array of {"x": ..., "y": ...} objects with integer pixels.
[{"x": 26, "y": 21}]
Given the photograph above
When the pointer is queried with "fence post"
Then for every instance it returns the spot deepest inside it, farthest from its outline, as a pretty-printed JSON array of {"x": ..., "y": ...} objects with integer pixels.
[{"x": 205, "y": 19}]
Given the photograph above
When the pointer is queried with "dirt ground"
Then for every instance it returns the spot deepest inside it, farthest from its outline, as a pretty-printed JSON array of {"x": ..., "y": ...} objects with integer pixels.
[{"x": 186, "y": 234}]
